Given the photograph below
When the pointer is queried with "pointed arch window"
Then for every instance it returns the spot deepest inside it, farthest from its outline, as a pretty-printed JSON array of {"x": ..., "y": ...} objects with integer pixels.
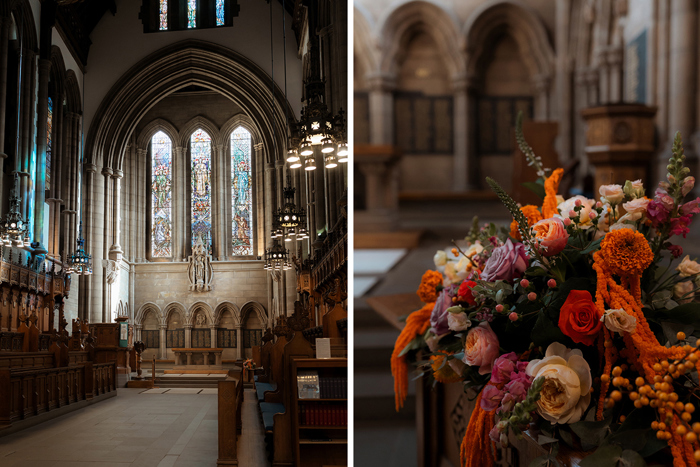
[
  {"x": 241, "y": 193},
  {"x": 200, "y": 159},
  {"x": 161, "y": 196},
  {"x": 163, "y": 15},
  {"x": 49, "y": 143},
  {"x": 220, "y": 19},
  {"x": 191, "y": 14}
]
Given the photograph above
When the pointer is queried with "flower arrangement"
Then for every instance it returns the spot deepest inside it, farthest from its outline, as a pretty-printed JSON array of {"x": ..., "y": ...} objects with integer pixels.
[
  {"x": 573, "y": 321},
  {"x": 249, "y": 364}
]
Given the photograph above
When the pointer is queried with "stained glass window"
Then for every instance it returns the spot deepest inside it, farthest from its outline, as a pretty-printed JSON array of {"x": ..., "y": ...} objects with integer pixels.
[
  {"x": 241, "y": 192},
  {"x": 219, "y": 12},
  {"x": 161, "y": 196},
  {"x": 49, "y": 144},
  {"x": 191, "y": 14},
  {"x": 163, "y": 15},
  {"x": 200, "y": 147}
]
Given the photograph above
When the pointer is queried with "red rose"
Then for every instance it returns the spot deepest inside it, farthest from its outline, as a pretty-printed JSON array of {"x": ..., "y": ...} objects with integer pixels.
[
  {"x": 579, "y": 318},
  {"x": 465, "y": 292}
]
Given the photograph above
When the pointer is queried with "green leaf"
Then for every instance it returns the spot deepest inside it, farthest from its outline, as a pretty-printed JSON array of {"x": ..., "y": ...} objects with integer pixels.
[
  {"x": 688, "y": 313},
  {"x": 541, "y": 461},
  {"x": 546, "y": 332},
  {"x": 605, "y": 456},
  {"x": 541, "y": 440},
  {"x": 592, "y": 247},
  {"x": 536, "y": 188},
  {"x": 415, "y": 344},
  {"x": 653, "y": 444},
  {"x": 592, "y": 434},
  {"x": 671, "y": 329},
  {"x": 630, "y": 458}
]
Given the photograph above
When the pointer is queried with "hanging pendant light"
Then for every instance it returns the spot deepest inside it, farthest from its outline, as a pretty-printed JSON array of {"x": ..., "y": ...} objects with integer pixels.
[
  {"x": 342, "y": 153},
  {"x": 14, "y": 227}
]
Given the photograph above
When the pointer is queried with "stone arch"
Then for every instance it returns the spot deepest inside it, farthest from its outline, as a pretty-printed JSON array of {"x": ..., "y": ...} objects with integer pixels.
[
  {"x": 206, "y": 125},
  {"x": 364, "y": 42},
  {"x": 200, "y": 305},
  {"x": 174, "y": 67},
  {"x": 257, "y": 308},
  {"x": 58, "y": 70},
  {"x": 145, "y": 309},
  {"x": 73, "y": 99},
  {"x": 24, "y": 20},
  {"x": 159, "y": 124},
  {"x": 174, "y": 306},
  {"x": 399, "y": 25},
  {"x": 224, "y": 306},
  {"x": 518, "y": 20},
  {"x": 234, "y": 122}
]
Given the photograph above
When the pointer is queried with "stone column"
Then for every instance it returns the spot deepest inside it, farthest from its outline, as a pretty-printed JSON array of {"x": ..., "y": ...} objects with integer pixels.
[
  {"x": 258, "y": 199},
  {"x": 460, "y": 165},
  {"x": 93, "y": 230},
  {"x": 682, "y": 63},
  {"x": 26, "y": 150},
  {"x": 270, "y": 204},
  {"x": 319, "y": 198},
  {"x": 5, "y": 25},
  {"x": 381, "y": 108},
  {"x": 541, "y": 84},
  {"x": 562, "y": 103},
  {"x": 142, "y": 236},
  {"x": 188, "y": 335},
  {"x": 180, "y": 205},
  {"x": 212, "y": 328},
  {"x": 163, "y": 349},
  {"x": 614, "y": 59},
  {"x": 594, "y": 86},
  {"x": 239, "y": 340},
  {"x": 582, "y": 101},
  {"x": 137, "y": 332},
  {"x": 39, "y": 243},
  {"x": 115, "y": 250}
]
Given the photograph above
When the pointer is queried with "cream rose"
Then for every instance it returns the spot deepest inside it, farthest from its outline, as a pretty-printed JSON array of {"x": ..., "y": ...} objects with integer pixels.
[
  {"x": 688, "y": 267},
  {"x": 619, "y": 320},
  {"x": 458, "y": 321},
  {"x": 474, "y": 249},
  {"x": 586, "y": 207},
  {"x": 440, "y": 258},
  {"x": 682, "y": 291},
  {"x": 566, "y": 392},
  {"x": 612, "y": 194},
  {"x": 635, "y": 206}
]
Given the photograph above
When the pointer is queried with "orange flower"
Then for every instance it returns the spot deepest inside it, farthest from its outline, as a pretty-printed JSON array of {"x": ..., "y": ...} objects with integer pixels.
[
  {"x": 551, "y": 186},
  {"x": 533, "y": 215},
  {"x": 428, "y": 284},
  {"x": 477, "y": 448},
  {"x": 442, "y": 371},
  {"x": 626, "y": 252}
]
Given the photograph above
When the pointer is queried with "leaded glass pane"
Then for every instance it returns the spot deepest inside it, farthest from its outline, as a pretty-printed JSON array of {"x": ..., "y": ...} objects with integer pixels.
[
  {"x": 163, "y": 15},
  {"x": 200, "y": 147},
  {"x": 161, "y": 196},
  {"x": 49, "y": 144},
  {"x": 219, "y": 12},
  {"x": 191, "y": 13},
  {"x": 241, "y": 193}
]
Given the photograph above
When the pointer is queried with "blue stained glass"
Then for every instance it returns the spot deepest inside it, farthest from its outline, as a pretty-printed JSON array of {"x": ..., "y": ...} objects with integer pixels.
[
  {"x": 49, "y": 144},
  {"x": 219, "y": 12},
  {"x": 200, "y": 148},
  {"x": 161, "y": 196},
  {"x": 191, "y": 14},
  {"x": 241, "y": 192},
  {"x": 163, "y": 15}
]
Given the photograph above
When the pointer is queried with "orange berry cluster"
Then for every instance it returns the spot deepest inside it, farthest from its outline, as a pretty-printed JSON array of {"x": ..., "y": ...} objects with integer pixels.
[{"x": 674, "y": 416}]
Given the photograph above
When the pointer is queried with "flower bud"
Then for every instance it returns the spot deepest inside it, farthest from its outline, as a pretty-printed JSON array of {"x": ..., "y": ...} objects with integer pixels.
[
  {"x": 532, "y": 296},
  {"x": 513, "y": 316},
  {"x": 551, "y": 283},
  {"x": 688, "y": 184},
  {"x": 592, "y": 214},
  {"x": 499, "y": 308},
  {"x": 525, "y": 283},
  {"x": 567, "y": 222},
  {"x": 572, "y": 213},
  {"x": 577, "y": 202}
]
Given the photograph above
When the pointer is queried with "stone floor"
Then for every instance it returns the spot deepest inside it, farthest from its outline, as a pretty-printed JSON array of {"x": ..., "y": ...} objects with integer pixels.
[{"x": 136, "y": 428}]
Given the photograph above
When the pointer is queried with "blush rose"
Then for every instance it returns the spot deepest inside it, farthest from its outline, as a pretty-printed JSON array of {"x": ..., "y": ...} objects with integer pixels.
[
  {"x": 481, "y": 348},
  {"x": 552, "y": 235},
  {"x": 506, "y": 262}
]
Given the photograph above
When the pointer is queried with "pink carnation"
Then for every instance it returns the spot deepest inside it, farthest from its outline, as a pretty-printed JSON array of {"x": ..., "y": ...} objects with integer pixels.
[{"x": 491, "y": 398}]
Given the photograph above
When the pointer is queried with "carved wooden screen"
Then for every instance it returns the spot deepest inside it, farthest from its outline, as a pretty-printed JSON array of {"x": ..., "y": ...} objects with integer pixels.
[
  {"x": 423, "y": 124},
  {"x": 151, "y": 338},
  {"x": 496, "y": 120},
  {"x": 252, "y": 337},
  {"x": 201, "y": 338},
  {"x": 175, "y": 338},
  {"x": 226, "y": 338}
]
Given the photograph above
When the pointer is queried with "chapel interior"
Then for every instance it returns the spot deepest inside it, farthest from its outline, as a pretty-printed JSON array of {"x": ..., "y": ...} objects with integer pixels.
[
  {"x": 603, "y": 85},
  {"x": 173, "y": 232}
]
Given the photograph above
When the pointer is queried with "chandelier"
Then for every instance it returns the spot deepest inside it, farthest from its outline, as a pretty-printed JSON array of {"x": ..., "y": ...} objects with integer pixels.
[
  {"x": 317, "y": 126},
  {"x": 290, "y": 221},
  {"x": 277, "y": 258},
  {"x": 80, "y": 262},
  {"x": 14, "y": 227}
]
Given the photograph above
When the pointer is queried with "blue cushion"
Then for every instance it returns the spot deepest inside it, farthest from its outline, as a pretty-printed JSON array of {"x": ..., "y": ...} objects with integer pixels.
[
  {"x": 271, "y": 407},
  {"x": 261, "y": 388},
  {"x": 268, "y": 420}
]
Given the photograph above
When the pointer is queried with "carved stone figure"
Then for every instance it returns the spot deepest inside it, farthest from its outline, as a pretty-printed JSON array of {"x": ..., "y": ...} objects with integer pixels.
[
  {"x": 111, "y": 270},
  {"x": 200, "y": 271},
  {"x": 201, "y": 319}
]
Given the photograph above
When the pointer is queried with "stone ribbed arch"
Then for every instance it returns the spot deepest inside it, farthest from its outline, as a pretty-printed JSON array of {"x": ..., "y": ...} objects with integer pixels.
[
  {"x": 172, "y": 307},
  {"x": 153, "y": 127},
  {"x": 200, "y": 306},
  {"x": 516, "y": 19},
  {"x": 73, "y": 99},
  {"x": 58, "y": 70},
  {"x": 364, "y": 42},
  {"x": 145, "y": 309},
  {"x": 254, "y": 307},
  {"x": 236, "y": 121},
  {"x": 401, "y": 24},
  {"x": 200, "y": 122},
  {"x": 227, "y": 306},
  {"x": 174, "y": 67},
  {"x": 24, "y": 19}
]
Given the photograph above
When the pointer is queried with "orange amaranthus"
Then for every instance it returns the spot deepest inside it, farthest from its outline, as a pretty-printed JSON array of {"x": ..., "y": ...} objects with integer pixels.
[
  {"x": 533, "y": 215},
  {"x": 551, "y": 186},
  {"x": 477, "y": 449},
  {"x": 626, "y": 254},
  {"x": 416, "y": 324}
]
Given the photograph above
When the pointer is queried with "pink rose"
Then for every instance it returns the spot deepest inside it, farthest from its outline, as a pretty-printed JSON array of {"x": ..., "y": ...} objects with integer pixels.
[
  {"x": 503, "y": 367},
  {"x": 438, "y": 318},
  {"x": 481, "y": 348},
  {"x": 491, "y": 398},
  {"x": 552, "y": 235},
  {"x": 506, "y": 262}
]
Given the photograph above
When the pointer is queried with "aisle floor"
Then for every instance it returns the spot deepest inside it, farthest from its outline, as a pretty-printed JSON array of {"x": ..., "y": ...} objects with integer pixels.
[{"x": 135, "y": 429}]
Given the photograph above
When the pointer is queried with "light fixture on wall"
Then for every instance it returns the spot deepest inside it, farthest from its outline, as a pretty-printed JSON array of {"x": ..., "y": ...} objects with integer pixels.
[
  {"x": 277, "y": 258},
  {"x": 80, "y": 262},
  {"x": 14, "y": 227}
]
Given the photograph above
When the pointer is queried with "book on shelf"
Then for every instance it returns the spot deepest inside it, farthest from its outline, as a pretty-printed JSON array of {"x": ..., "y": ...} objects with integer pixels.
[{"x": 308, "y": 384}]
